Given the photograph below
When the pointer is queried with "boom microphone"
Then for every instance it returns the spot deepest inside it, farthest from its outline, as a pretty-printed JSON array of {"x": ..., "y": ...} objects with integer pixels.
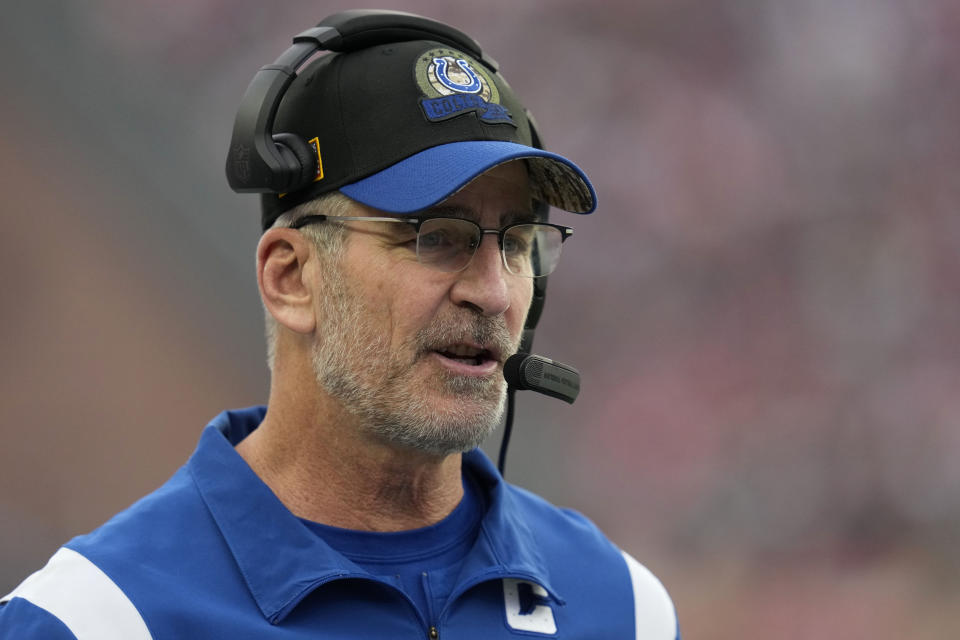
[{"x": 543, "y": 375}]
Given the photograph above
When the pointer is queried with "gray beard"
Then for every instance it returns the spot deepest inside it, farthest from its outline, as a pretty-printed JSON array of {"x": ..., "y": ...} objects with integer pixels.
[{"x": 352, "y": 361}]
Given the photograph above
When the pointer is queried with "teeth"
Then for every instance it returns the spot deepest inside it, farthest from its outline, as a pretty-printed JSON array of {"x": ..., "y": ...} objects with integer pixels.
[{"x": 463, "y": 351}]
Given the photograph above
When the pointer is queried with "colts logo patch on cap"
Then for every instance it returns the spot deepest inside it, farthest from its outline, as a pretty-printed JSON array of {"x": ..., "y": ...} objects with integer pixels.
[{"x": 454, "y": 84}]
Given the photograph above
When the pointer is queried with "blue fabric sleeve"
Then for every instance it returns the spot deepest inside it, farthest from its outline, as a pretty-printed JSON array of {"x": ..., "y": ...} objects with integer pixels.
[{"x": 22, "y": 620}]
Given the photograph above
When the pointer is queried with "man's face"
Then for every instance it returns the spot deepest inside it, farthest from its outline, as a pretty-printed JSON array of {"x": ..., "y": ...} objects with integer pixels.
[{"x": 415, "y": 353}]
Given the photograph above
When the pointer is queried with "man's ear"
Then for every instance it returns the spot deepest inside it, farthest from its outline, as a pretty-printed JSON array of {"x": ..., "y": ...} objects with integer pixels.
[{"x": 285, "y": 284}]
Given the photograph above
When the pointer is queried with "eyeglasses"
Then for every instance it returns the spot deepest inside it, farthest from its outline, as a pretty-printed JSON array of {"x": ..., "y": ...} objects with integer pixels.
[{"x": 528, "y": 249}]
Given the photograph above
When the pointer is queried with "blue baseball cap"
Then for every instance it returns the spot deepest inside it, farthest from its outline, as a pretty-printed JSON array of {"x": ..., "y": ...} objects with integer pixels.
[{"x": 402, "y": 126}]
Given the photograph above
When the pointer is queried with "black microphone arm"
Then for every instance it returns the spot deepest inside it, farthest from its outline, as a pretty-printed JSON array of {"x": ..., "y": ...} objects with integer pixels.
[{"x": 536, "y": 373}]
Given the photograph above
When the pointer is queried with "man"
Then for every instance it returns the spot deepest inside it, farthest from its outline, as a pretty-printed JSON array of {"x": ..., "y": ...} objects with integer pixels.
[{"x": 396, "y": 274}]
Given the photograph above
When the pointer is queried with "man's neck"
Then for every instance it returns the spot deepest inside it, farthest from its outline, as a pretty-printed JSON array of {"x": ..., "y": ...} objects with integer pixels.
[{"x": 323, "y": 469}]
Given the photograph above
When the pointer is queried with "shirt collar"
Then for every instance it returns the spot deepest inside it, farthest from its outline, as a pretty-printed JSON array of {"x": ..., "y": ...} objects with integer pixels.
[
  {"x": 506, "y": 547},
  {"x": 282, "y": 561}
]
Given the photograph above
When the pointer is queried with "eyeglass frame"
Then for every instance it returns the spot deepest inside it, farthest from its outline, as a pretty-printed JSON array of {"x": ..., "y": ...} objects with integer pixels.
[{"x": 565, "y": 232}]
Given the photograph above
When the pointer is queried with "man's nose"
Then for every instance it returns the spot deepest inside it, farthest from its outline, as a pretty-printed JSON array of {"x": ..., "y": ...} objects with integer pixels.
[{"x": 483, "y": 284}]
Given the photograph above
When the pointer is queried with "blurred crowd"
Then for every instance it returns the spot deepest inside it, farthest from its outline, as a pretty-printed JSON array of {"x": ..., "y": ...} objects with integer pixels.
[{"x": 764, "y": 309}]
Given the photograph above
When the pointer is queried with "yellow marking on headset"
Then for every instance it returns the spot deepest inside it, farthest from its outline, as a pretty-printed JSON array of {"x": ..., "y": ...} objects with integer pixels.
[{"x": 315, "y": 145}]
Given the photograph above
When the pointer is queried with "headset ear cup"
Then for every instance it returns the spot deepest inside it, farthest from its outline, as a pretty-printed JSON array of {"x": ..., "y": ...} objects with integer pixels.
[{"x": 300, "y": 160}]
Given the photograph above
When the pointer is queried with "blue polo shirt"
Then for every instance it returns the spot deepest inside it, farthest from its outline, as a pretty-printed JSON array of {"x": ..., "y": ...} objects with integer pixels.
[{"x": 214, "y": 554}]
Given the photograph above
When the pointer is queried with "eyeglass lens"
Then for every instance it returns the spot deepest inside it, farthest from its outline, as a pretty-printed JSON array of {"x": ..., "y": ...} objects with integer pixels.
[{"x": 530, "y": 250}]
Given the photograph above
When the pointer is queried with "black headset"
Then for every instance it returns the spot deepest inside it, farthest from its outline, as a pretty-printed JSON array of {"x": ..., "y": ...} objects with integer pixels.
[{"x": 261, "y": 161}]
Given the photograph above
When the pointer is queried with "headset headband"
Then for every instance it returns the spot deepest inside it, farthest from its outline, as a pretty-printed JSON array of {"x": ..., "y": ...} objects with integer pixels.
[{"x": 257, "y": 163}]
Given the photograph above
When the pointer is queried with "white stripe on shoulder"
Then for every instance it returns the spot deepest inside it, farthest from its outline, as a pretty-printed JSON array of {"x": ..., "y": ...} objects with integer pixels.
[
  {"x": 654, "y": 614},
  {"x": 83, "y": 598}
]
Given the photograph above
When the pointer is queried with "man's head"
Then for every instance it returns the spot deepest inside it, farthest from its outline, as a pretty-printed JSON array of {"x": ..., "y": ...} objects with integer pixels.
[{"x": 404, "y": 333}]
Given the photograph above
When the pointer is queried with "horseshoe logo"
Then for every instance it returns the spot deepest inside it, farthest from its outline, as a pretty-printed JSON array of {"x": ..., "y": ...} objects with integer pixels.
[{"x": 474, "y": 86}]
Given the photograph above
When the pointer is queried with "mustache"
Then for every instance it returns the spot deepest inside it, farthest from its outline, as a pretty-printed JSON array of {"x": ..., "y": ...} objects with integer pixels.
[{"x": 489, "y": 332}]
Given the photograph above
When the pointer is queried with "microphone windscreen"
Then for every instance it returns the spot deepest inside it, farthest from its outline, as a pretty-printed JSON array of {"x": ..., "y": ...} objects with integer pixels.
[{"x": 511, "y": 370}]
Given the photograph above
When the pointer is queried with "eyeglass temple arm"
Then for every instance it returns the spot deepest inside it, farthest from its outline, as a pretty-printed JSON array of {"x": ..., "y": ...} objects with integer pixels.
[{"x": 319, "y": 217}]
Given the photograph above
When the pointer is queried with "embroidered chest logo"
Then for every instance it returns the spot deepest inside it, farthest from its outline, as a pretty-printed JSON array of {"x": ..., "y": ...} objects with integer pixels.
[
  {"x": 453, "y": 84},
  {"x": 528, "y": 607}
]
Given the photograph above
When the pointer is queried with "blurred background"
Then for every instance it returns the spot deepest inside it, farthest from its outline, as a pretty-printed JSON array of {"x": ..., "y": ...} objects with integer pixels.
[{"x": 764, "y": 309}]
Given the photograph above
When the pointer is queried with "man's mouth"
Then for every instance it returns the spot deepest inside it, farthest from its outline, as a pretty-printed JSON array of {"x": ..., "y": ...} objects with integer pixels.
[{"x": 467, "y": 354}]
